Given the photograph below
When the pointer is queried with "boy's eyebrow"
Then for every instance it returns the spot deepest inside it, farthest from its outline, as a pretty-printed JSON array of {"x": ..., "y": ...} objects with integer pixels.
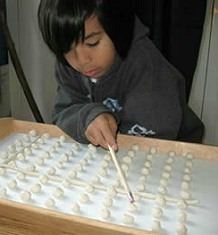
[{"x": 91, "y": 35}]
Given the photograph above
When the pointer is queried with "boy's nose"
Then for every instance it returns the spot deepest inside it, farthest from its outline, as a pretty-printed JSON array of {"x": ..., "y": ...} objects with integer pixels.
[{"x": 84, "y": 58}]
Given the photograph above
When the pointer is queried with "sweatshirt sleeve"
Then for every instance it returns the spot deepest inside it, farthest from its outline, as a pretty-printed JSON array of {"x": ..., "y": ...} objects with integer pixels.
[{"x": 73, "y": 110}]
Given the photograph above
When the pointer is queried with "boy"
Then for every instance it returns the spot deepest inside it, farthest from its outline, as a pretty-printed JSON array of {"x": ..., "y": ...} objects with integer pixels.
[{"x": 110, "y": 76}]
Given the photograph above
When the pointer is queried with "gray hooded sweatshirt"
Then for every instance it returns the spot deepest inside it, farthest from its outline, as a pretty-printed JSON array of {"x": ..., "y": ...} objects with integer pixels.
[{"x": 144, "y": 92}]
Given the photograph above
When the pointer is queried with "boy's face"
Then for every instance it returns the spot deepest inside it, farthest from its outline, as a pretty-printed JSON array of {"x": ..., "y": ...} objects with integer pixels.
[{"x": 96, "y": 54}]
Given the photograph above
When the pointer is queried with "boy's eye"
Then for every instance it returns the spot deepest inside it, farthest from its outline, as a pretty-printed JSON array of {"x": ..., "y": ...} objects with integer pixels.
[{"x": 93, "y": 44}]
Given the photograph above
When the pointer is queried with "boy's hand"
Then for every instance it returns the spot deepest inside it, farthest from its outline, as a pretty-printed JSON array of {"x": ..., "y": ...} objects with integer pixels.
[{"x": 102, "y": 131}]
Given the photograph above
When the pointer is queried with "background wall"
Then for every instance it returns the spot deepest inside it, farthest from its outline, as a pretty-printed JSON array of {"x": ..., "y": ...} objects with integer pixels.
[
  {"x": 38, "y": 63},
  {"x": 204, "y": 94},
  {"x": 35, "y": 58}
]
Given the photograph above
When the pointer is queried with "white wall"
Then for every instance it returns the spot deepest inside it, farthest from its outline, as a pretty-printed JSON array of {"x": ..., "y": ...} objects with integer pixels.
[
  {"x": 36, "y": 60},
  {"x": 204, "y": 94}
]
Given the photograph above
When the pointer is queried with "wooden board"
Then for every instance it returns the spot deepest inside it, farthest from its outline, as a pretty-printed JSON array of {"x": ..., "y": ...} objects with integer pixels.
[{"x": 16, "y": 218}]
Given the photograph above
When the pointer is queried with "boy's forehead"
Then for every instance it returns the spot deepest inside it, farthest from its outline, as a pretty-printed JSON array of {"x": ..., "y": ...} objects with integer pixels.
[{"x": 92, "y": 26}]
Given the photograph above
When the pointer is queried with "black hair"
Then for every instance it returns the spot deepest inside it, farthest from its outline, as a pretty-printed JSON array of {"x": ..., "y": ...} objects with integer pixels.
[{"x": 61, "y": 22}]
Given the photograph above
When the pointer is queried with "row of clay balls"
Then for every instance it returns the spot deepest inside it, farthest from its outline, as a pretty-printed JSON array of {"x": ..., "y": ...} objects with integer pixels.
[
  {"x": 127, "y": 161},
  {"x": 22, "y": 143},
  {"x": 146, "y": 170},
  {"x": 182, "y": 204}
]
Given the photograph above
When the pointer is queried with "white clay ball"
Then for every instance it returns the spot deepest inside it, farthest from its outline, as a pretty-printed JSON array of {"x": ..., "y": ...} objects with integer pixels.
[
  {"x": 66, "y": 183},
  {"x": 60, "y": 165},
  {"x": 51, "y": 171},
  {"x": 149, "y": 157},
  {"x": 187, "y": 170},
  {"x": 26, "y": 138},
  {"x": 12, "y": 149},
  {"x": 84, "y": 198},
  {"x": 161, "y": 201},
  {"x": 127, "y": 160},
  {"x": 117, "y": 183},
  {"x": 33, "y": 133},
  {"x": 70, "y": 153},
  {"x": 156, "y": 226},
  {"x": 153, "y": 150},
  {"x": 47, "y": 155},
  {"x": 62, "y": 138},
  {"x": 28, "y": 151},
  {"x": 125, "y": 167},
  {"x": 57, "y": 144},
  {"x": 171, "y": 154},
  {"x": 21, "y": 157},
  {"x": 2, "y": 171},
  {"x": 185, "y": 185},
  {"x": 182, "y": 216},
  {"x": 181, "y": 229},
  {"x": 128, "y": 219},
  {"x": 104, "y": 164},
  {"x": 190, "y": 156},
  {"x": 26, "y": 196},
  {"x": 135, "y": 147},
  {"x": 78, "y": 167},
  {"x": 162, "y": 189},
  {"x": 36, "y": 188},
  {"x": 46, "y": 136},
  {"x": 43, "y": 179},
  {"x": 185, "y": 195},
  {"x": 103, "y": 172},
  {"x": 170, "y": 160},
  {"x": 4, "y": 155},
  {"x": 89, "y": 188},
  {"x": 92, "y": 148},
  {"x": 65, "y": 157},
  {"x": 189, "y": 163},
  {"x": 12, "y": 184},
  {"x": 105, "y": 213},
  {"x": 40, "y": 161},
  {"x": 145, "y": 171},
  {"x": 75, "y": 208},
  {"x": 164, "y": 182},
  {"x": 131, "y": 153},
  {"x": 182, "y": 204},
  {"x": 168, "y": 168},
  {"x": 166, "y": 175},
  {"x": 107, "y": 157},
  {"x": 21, "y": 176},
  {"x": 31, "y": 168},
  {"x": 18, "y": 143},
  {"x": 141, "y": 187},
  {"x": 108, "y": 202},
  {"x": 84, "y": 162},
  {"x": 12, "y": 164},
  {"x": 35, "y": 146},
  {"x": 58, "y": 192},
  {"x": 50, "y": 203},
  {"x": 142, "y": 179},
  {"x": 96, "y": 179},
  {"x": 112, "y": 192},
  {"x": 157, "y": 212},
  {"x": 132, "y": 207},
  {"x": 3, "y": 192},
  {"x": 76, "y": 146},
  {"x": 40, "y": 141},
  {"x": 148, "y": 164},
  {"x": 72, "y": 174}
]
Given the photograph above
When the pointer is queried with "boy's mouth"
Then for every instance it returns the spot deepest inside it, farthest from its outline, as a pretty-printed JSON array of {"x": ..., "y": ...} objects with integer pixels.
[{"x": 92, "y": 73}]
